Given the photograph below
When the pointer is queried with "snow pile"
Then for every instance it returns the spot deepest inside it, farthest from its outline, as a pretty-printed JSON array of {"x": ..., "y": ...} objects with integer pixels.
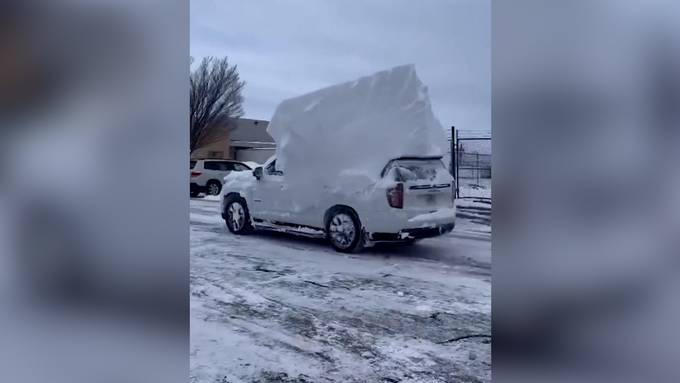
[
  {"x": 237, "y": 181},
  {"x": 352, "y": 130}
]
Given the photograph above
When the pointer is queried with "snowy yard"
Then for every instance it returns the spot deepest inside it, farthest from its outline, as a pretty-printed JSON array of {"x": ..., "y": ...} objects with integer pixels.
[{"x": 275, "y": 308}]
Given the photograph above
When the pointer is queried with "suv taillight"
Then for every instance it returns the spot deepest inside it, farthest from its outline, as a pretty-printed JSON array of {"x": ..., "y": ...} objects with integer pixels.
[
  {"x": 195, "y": 174},
  {"x": 395, "y": 196}
]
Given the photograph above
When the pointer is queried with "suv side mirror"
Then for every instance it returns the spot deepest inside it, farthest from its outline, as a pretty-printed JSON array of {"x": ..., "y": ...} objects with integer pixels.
[{"x": 257, "y": 173}]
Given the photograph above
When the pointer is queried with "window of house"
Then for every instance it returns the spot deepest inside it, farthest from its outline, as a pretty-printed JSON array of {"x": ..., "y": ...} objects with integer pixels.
[{"x": 214, "y": 154}]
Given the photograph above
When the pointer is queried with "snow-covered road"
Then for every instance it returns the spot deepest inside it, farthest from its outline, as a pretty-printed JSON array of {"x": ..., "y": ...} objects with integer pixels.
[{"x": 275, "y": 308}]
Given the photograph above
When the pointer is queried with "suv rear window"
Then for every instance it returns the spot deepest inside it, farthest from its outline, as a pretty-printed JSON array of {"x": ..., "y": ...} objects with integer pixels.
[
  {"x": 414, "y": 170},
  {"x": 217, "y": 165},
  {"x": 192, "y": 164}
]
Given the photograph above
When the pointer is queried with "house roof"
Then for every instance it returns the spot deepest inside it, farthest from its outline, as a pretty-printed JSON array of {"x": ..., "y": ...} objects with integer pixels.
[{"x": 251, "y": 131}]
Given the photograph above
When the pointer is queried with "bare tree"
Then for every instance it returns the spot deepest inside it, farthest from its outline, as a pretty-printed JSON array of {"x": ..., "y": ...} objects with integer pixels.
[{"x": 215, "y": 100}]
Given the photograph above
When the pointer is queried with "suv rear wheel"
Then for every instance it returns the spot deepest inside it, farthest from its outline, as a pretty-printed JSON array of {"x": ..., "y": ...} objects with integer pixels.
[
  {"x": 343, "y": 230},
  {"x": 213, "y": 187}
]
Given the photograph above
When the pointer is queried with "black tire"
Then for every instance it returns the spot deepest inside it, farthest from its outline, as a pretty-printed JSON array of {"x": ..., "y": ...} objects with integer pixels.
[
  {"x": 356, "y": 243},
  {"x": 213, "y": 187},
  {"x": 230, "y": 208}
]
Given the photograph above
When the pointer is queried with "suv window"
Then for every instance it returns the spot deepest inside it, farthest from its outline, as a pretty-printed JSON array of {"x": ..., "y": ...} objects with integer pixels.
[
  {"x": 414, "y": 170},
  {"x": 192, "y": 164},
  {"x": 217, "y": 165},
  {"x": 240, "y": 167},
  {"x": 271, "y": 169}
]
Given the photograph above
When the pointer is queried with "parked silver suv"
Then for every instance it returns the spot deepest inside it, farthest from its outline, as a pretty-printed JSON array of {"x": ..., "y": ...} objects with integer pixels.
[{"x": 207, "y": 175}]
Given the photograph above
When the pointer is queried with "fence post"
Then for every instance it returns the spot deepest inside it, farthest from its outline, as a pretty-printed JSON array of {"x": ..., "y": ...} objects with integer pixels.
[
  {"x": 455, "y": 176},
  {"x": 477, "y": 166},
  {"x": 452, "y": 163}
]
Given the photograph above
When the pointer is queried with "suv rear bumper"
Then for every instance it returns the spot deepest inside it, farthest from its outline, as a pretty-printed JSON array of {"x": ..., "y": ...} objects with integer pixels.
[{"x": 411, "y": 234}]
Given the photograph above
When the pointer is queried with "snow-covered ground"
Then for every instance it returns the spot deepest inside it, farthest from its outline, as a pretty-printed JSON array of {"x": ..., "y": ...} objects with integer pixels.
[
  {"x": 469, "y": 188},
  {"x": 275, "y": 308}
]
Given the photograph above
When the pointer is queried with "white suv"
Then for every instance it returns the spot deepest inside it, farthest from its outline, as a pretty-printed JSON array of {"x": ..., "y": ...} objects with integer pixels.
[
  {"x": 207, "y": 175},
  {"x": 413, "y": 199}
]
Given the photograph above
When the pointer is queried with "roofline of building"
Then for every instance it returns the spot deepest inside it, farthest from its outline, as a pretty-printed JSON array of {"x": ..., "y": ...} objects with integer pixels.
[
  {"x": 251, "y": 119},
  {"x": 240, "y": 142}
]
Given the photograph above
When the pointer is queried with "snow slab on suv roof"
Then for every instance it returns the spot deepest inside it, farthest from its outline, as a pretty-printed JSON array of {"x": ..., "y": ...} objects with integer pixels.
[{"x": 351, "y": 130}]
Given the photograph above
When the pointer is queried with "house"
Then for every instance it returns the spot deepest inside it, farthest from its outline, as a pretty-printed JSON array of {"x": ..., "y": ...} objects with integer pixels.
[{"x": 247, "y": 141}]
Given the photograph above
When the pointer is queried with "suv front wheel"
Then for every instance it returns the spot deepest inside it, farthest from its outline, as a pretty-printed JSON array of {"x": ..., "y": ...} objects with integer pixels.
[
  {"x": 344, "y": 230},
  {"x": 237, "y": 216}
]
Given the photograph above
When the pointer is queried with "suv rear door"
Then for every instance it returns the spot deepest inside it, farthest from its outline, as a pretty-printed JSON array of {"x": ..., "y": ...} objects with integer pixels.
[{"x": 216, "y": 169}]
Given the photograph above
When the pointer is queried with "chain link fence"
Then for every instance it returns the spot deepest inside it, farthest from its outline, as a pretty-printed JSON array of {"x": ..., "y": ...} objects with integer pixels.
[{"x": 470, "y": 163}]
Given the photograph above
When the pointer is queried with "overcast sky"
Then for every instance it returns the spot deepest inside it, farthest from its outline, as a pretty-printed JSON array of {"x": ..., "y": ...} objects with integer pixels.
[{"x": 287, "y": 48}]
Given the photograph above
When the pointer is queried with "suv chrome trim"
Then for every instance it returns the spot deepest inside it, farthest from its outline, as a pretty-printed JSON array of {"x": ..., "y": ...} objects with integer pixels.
[{"x": 424, "y": 187}]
